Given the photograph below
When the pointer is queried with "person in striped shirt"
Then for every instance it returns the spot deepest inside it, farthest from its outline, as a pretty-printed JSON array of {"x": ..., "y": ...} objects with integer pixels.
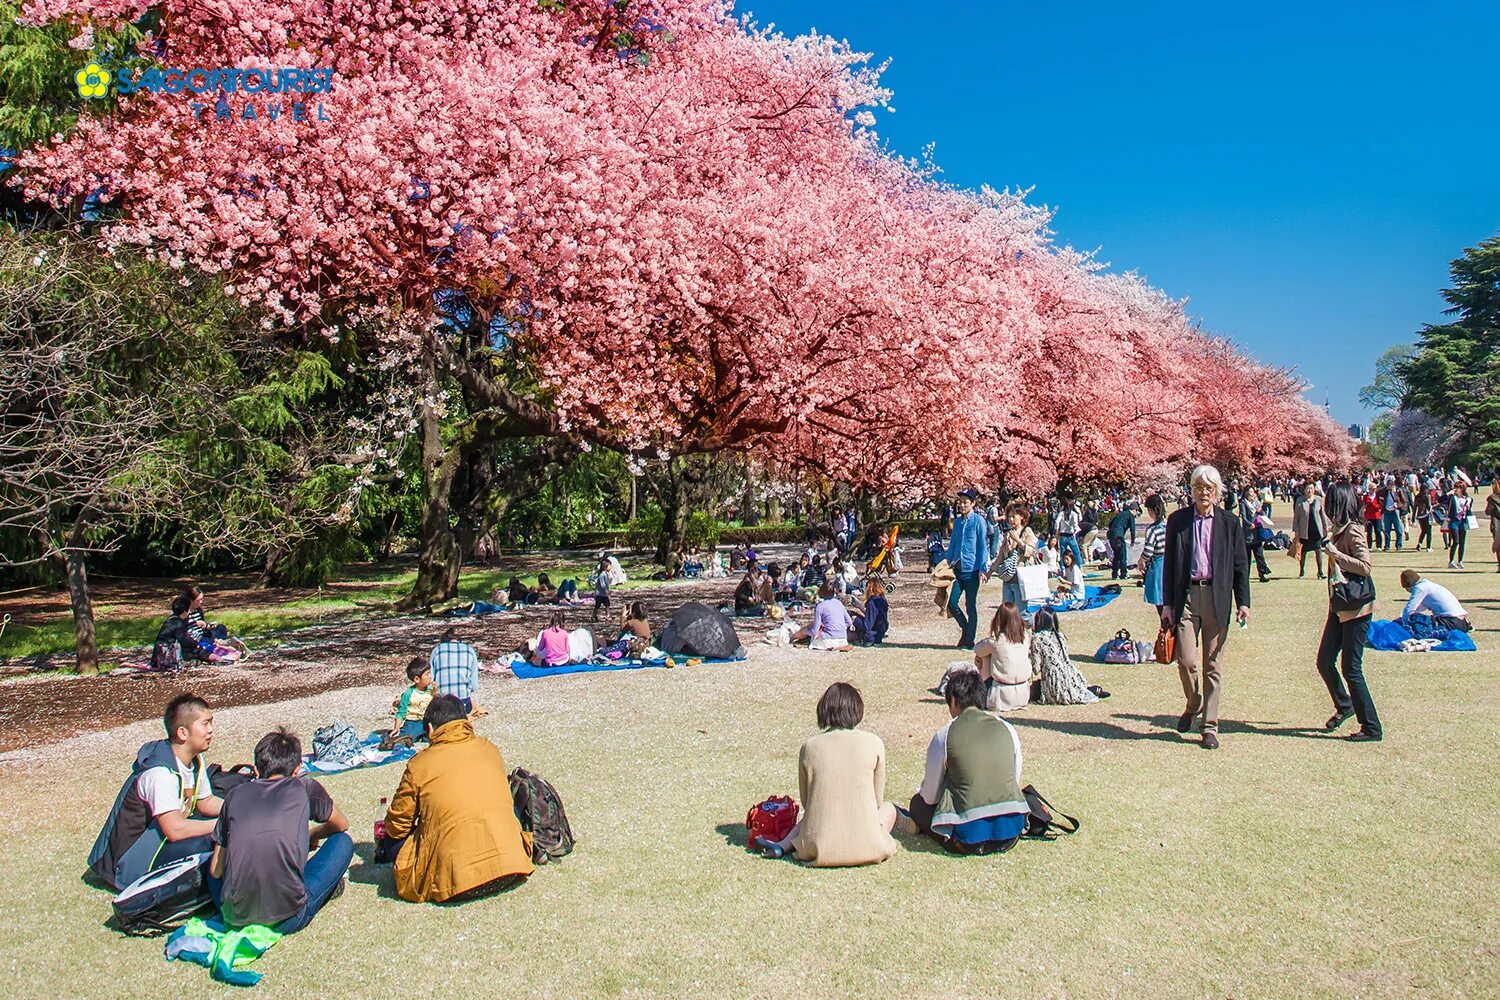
[{"x": 1153, "y": 550}]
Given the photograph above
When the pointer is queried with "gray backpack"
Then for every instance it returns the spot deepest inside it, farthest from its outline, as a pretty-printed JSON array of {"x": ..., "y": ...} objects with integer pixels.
[{"x": 336, "y": 743}]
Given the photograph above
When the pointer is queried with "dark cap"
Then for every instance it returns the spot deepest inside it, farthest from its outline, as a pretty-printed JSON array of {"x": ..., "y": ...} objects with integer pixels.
[{"x": 971, "y": 493}]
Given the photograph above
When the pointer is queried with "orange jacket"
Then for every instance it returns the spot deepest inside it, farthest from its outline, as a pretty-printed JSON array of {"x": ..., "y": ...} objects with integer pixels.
[{"x": 454, "y": 806}]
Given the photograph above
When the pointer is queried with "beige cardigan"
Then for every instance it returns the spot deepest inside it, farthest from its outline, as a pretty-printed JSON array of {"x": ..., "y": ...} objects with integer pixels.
[
  {"x": 1349, "y": 552},
  {"x": 842, "y": 782}
]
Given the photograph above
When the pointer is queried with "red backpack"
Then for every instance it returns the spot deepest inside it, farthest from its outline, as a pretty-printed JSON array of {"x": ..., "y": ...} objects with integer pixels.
[{"x": 772, "y": 819}]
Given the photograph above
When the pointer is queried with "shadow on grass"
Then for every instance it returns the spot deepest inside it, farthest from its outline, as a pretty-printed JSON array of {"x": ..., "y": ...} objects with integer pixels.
[
  {"x": 365, "y": 871},
  {"x": 734, "y": 834},
  {"x": 1169, "y": 722}
]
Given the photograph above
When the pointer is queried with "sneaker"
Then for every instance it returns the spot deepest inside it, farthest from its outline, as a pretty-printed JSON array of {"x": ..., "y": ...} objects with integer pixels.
[
  {"x": 1452, "y": 564},
  {"x": 1460, "y": 564},
  {"x": 769, "y": 848}
]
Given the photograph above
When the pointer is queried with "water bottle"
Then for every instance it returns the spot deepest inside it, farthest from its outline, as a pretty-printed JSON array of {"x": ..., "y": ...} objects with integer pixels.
[{"x": 380, "y": 820}]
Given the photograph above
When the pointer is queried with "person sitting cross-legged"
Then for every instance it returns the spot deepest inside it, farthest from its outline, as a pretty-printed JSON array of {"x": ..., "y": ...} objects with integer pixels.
[
  {"x": 454, "y": 812},
  {"x": 260, "y": 872},
  {"x": 166, "y": 809},
  {"x": 970, "y": 800}
]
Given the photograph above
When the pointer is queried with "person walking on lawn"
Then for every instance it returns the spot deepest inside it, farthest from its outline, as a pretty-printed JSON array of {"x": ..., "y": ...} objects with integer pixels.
[{"x": 1207, "y": 568}]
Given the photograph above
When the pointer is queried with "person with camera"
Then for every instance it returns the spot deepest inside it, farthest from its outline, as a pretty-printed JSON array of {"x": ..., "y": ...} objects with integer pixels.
[{"x": 1351, "y": 598}]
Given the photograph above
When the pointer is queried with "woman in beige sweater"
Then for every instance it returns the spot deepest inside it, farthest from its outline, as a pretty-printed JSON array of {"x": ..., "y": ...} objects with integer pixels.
[
  {"x": 1004, "y": 660},
  {"x": 845, "y": 818}
]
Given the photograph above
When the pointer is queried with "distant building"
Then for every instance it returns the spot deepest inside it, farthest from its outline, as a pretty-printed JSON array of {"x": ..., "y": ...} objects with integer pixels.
[{"x": 1359, "y": 432}]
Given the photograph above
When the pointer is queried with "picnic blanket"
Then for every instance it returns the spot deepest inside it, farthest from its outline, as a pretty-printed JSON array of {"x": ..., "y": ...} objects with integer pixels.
[
  {"x": 1093, "y": 597},
  {"x": 526, "y": 670},
  {"x": 1389, "y": 635},
  {"x": 370, "y": 755}
]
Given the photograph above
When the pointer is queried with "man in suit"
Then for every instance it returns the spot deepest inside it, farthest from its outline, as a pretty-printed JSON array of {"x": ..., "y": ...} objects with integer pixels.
[{"x": 1206, "y": 567}]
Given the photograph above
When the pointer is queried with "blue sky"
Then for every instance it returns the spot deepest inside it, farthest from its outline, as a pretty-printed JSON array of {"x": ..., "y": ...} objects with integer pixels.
[{"x": 1302, "y": 174}]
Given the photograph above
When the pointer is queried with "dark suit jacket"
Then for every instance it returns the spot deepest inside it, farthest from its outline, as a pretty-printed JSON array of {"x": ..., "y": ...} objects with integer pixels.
[{"x": 1227, "y": 557}]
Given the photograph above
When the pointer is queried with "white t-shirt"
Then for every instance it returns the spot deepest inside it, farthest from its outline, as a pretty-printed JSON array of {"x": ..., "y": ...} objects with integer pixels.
[{"x": 163, "y": 790}]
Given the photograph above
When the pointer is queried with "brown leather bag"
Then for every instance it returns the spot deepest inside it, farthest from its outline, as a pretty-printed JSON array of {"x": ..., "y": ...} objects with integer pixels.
[{"x": 1165, "y": 649}]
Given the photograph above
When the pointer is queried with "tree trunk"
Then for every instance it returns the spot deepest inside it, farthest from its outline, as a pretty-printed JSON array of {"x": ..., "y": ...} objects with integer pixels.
[
  {"x": 70, "y": 562},
  {"x": 439, "y": 559},
  {"x": 630, "y": 514},
  {"x": 674, "y": 511},
  {"x": 85, "y": 643}
]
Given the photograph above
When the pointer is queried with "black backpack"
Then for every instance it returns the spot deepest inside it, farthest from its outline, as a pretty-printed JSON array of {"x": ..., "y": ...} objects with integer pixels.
[
  {"x": 221, "y": 780},
  {"x": 1042, "y": 820},
  {"x": 540, "y": 810},
  {"x": 163, "y": 897}
]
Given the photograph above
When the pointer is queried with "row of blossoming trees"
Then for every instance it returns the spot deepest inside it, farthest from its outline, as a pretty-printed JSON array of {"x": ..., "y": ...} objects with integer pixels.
[{"x": 646, "y": 226}]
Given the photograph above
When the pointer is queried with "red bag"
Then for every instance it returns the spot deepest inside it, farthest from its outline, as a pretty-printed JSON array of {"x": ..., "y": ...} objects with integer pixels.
[{"x": 772, "y": 819}]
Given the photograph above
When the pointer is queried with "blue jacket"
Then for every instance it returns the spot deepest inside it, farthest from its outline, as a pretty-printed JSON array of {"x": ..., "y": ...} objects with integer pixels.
[{"x": 969, "y": 548}]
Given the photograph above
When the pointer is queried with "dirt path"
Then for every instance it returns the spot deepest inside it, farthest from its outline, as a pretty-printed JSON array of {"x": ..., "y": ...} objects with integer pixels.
[{"x": 45, "y": 709}]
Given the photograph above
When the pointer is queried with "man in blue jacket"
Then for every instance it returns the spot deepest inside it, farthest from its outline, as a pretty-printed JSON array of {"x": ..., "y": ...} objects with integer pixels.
[{"x": 969, "y": 556}]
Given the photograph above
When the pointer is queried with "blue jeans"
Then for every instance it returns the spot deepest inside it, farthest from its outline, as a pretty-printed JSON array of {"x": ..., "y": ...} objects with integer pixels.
[
  {"x": 321, "y": 876},
  {"x": 1393, "y": 528},
  {"x": 414, "y": 728},
  {"x": 967, "y": 585},
  {"x": 1066, "y": 542}
]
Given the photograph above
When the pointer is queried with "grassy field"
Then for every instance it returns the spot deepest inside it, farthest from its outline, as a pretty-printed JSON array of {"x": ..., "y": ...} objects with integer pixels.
[
  {"x": 1288, "y": 864},
  {"x": 372, "y": 591}
]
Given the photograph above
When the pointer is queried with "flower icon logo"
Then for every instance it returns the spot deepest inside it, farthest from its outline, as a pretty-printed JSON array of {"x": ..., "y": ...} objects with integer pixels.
[{"x": 93, "y": 81}]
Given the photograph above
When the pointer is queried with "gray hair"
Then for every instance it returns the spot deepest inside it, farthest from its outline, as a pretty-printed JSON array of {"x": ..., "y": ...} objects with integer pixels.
[{"x": 1206, "y": 474}]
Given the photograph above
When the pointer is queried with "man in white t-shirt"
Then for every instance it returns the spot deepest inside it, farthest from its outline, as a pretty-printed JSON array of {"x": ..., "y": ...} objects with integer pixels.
[
  {"x": 1434, "y": 601},
  {"x": 165, "y": 811}
]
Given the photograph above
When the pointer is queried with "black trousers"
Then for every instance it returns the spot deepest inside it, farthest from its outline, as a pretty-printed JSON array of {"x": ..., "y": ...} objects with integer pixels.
[
  {"x": 1257, "y": 552},
  {"x": 1344, "y": 645},
  {"x": 1117, "y": 570},
  {"x": 1457, "y": 536},
  {"x": 921, "y": 814},
  {"x": 1425, "y": 537}
]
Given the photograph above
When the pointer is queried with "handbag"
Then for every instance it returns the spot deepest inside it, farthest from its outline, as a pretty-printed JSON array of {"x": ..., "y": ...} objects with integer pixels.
[
  {"x": 1121, "y": 649},
  {"x": 1352, "y": 593},
  {"x": 1008, "y": 567},
  {"x": 1042, "y": 817},
  {"x": 772, "y": 819},
  {"x": 1471, "y": 522},
  {"x": 1165, "y": 649}
]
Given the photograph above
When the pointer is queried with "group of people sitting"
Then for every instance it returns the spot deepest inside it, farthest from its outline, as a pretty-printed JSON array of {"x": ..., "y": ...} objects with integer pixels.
[
  {"x": 1020, "y": 664},
  {"x": 836, "y": 625},
  {"x": 970, "y": 800},
  {"x": 275, "y": 844},
  {"x": 187, "y": 635}
]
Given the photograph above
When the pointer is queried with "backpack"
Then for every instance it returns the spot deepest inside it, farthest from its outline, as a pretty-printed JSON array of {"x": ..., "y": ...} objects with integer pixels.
[
  {"x": 772, "y": 819},
  {"x": 166, "y": 656},
  {"x": 1041, "y": 820},
  {"x": 163, "y": 897},
  {"x": 540, "y": 810},
  {"x": 336, "y": 743},
  {"x": 221, "y": 781},
  {"x": 1121, "y": 649}
]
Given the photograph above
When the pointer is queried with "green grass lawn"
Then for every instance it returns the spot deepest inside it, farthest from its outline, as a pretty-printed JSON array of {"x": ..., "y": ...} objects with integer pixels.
[
  {"x": 1288, "y": 864},
  {"x": 260, "y": 621}
]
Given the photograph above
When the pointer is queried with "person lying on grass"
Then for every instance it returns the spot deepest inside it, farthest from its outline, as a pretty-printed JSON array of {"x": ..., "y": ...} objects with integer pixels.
[
  {"x": 830, "y": 625},
  {"x": 841, "y": 783},
  {"x": 452, "y": 822},
  {"x": 260, "y": 872}
]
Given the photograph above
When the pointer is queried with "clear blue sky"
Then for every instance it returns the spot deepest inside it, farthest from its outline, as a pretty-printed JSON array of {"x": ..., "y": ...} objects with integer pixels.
[{"x": 1302, "y": 174}]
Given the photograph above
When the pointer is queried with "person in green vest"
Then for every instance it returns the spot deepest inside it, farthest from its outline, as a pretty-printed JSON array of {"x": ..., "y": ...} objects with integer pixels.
[{"x": 970, "y": 800}]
